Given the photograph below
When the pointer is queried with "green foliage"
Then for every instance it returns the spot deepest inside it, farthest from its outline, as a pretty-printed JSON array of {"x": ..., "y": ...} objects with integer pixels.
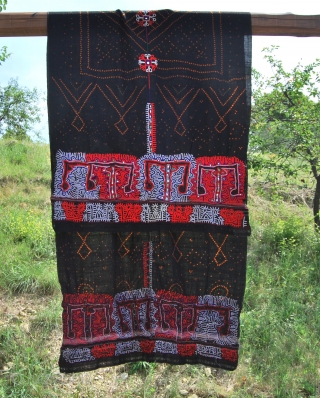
[
  {"x": 25, "y": 227},
  {"x": 4, "y": 54},
  {"x": 285, "y": 125},
  {"x": 3, "y": 5},
  {"x": 19, "y": 110},
  {"x": 31, "y": 227},
  {"x": 49, "y": 319},
  {"x": 29, "y": 371},
  {"x": 141, "y": 366},
  {"x": 279, "y": 325},
  {"x": 24, "y": 162}
]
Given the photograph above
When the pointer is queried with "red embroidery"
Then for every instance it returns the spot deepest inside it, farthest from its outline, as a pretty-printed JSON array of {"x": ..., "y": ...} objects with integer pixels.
[
  {"x": 232, "y": 217},
  {"x": 73, "y": 211},
  {"x": 187, "y": 350},
  {"x": 174, "y": 296},
  {"x": 219, "y": 179},
  {"x": 215, "y": 180},
  {"x": 104, "y": 350},
  {"x": 148, "y": 62},
  {"x": 115, "y": 174},
  {"x": 147, "y": 346},
  {"x": 175, "y": 315},
  {"x": 146, "y": 264},
  {"x": 86, "y": 317},
  {"x": 129, "y": 212},
  {"x": 151, "y": 128},
  {"x": 229, "y": 355},
  {"x": 145, "y": 18},
  {"x": 180, "y": 213}
]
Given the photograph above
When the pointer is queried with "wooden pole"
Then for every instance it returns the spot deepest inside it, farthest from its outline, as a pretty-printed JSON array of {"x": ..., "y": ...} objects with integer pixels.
[
  {"x": 23, "y": 24},
  {"x": 35, "y": 24}
]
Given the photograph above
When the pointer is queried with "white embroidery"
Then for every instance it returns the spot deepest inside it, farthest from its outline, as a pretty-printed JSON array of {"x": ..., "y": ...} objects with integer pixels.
[
  {"x": 150, "y": 264},
  {"x": 163, "y": 177},
  {"x": 149, "y": 126},
  {"x": 99, "y": 212},
  {"x": 207, "y": 322},
  {"x": 76, "y": 178},
  {"x": 244, "y": 222},
  {"x": 208, "y": 351},
  {"x": 73, "y": 355},
  {"x": 130, "y": 313},
  {"x": 58, "y": 212},
  {"x": 146, "y": 17},
  {"x": 127, "y": 347},
  {"x": 166, "y": 347},
  {"x": 206, "y": 214},
  {"x": 154, "y": 212}
]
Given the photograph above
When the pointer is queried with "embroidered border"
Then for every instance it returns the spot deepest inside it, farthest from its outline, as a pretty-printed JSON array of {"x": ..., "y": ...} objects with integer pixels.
[
  {"x": 169, "y": 178},
  {"x": 112, "y": 188},
  {"x": 148, "y": 213},
  {"x": 188, "y": 326}
]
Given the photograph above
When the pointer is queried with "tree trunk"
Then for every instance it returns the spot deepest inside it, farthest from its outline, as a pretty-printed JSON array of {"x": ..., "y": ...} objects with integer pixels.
[{"x": 316, "y": 205}]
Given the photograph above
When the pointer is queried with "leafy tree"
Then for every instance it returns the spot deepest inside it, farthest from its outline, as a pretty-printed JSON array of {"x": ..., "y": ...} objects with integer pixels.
[
  {"x": 3, "y": 54},
  {"x": 286, "y": 122},
  {"x": 3, "y": 51},
  {"x": 3, "y": 4},
  {"x": 19, "y": 110}
]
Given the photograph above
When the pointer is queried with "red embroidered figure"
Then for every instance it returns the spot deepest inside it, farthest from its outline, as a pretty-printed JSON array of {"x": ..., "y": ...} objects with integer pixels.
[
  {"x": 104, "y": 350},
  {"x": 73, "y": 211},
  {"x": 148, "y": 62},
  {"x": 147, "y": 346},
  {"x": 146, "y": 18},
  {"x": 180, "y": 213}
]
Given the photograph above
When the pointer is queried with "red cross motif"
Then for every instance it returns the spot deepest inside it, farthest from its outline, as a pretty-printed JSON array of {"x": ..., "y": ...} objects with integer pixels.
[
  {"x": 145, "y": 18},
  {"x": 148, "y": 62}
]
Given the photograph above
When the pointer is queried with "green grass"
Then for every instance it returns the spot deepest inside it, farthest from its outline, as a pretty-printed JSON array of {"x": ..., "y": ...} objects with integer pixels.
[
  {"x": 280, "y": 322},
  {"x": 29, "y": 368},
  {"x": 28, "y": 263}
]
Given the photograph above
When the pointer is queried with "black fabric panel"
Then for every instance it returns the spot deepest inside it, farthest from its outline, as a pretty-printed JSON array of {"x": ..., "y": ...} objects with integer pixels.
[{"x": 162, "y": 280}]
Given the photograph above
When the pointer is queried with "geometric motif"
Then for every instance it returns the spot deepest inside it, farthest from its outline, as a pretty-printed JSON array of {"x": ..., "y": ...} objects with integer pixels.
[
  {"x": 123, "y": 250},
  {"x": 73, "y": 355},
  {"x": 206, "y": 214},
  {"x": 219, "y": 250},
  {"x": 146, "y": 18},
  {"x": 172, "y": 323},
  {"x": 97, "y": 212},
  {"x": 123, "y": 212},
  {"x": 176, "y": 248},
  {"x": 165, "y": 178},
  {"x": 87, "y": 253}
]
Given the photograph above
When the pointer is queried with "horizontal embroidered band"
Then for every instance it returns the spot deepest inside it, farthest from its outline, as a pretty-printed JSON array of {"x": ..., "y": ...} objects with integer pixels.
[
  {"x": 163, "y": 178},
  {"x": 171, "y": 322}
]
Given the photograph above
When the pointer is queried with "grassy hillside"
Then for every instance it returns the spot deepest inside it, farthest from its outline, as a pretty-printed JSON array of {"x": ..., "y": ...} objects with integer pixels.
[{"x": 280, "y": 323}]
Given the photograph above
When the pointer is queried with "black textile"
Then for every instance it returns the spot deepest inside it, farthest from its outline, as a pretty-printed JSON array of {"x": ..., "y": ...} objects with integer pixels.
[{"x": 148, "y": 119}]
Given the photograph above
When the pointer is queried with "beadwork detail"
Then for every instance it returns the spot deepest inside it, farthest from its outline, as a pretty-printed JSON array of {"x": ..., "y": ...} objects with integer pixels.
[
  {"x": 151, "y": 128},
  {"x": 177, "y": 325},
  {"x": 148, "y": 63},
  {"x": 146, "y": 18}
]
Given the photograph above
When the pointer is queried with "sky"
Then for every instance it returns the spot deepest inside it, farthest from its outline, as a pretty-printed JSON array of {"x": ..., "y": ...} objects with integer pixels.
[{"x": 28, "y": 54}]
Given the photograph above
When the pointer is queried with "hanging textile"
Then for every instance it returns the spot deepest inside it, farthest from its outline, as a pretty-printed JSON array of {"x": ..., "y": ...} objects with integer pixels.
[{"x": 148, "y": 118}]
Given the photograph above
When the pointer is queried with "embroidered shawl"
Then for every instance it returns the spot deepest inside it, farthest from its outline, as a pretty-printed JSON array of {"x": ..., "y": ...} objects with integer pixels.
[{"x": 148, "y": 119}]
